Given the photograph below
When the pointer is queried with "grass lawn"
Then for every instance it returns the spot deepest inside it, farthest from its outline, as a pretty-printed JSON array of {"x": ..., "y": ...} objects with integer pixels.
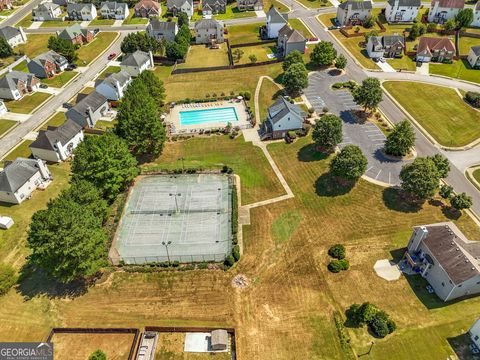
[
  {"x": 476, "y": 175},
  {"x": 315, "y": 4},
  {"x": 36, "y": 45},
  {"x": 260, "y": 51},
  {"x": 105, "y": 125},
  {"x": 298, "y": 25},
  {"x": 232, "y": 12},
  {"x": 132, "y": 20},
  {"x": 280, "y": 6},
  {"x": 163, "y": 71},
  {"x": 268, "y": 94},
  {"x": 28, "y": 103},
  {"x": 26, "y": 22},
  {"x": 445, "y": 116},
  {"x": 100, "y": 21},
  {"x": 171, "y": 346},
  {"x": 21, "y": 67},
  {"x": 61, "y": 79},
  {"x": 22, "y": 150},
  {"x": 458, "y": 69},
  {"x": 109, "y": 70},
  {"x": 403, "y": 63},
  {"x": 241, "y": 34},
  {"x": 466, "y": 43},
  {"x": 59, "y": 23},
  {"x": 202, "y": 56},
  {"x": 87, "y": 53},
  {"x": 56, "y": 120},
  {"x": 6, "y": 125}
]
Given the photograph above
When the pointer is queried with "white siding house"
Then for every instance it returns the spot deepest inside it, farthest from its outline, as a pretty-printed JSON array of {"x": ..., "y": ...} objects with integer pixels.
[
  {"x": 353, "y": 12},
  {"x": 137, "y": 62},
  {"x": 275, "y": 22},
  {"x": 113, "y": 86},
  {"x": 474, "y": 333},
  {"x": 398, "y": 11},
  {"x": 13, "y": 36},
  {"x": 443, "y": 10}
]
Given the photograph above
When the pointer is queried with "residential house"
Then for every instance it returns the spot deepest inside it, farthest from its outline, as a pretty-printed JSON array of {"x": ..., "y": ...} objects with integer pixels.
[
  {"x": 476, "y": 15},
  {"x": 76, "y": 34},
  {"x": 474, "y": 57},
  {"x": 443, "y": 10},
  {"x": 114, "y": 10},
  {"x": 5, "y": 4},
  {"x": 20, "y": 178},
  {"x": 15, "y": 84},
  {"x": 211, "y": 7},
  {"x": 352, "y": 12},
  {"x": 81, "y": 11},
  {"x": 47, "y": 64},
  {"x": 209, "y": 31},
  {"x": 147, "y": 8},
  {"x": 62, "y": 2},
  {"x": 289, "y": 40},
  {"x": 3, "y": 108},
  {"x": 89, "y": 110},
  {"x": 249, "y": 5},
  {"x": 435, "y": 49},
  {"x": 275, "y": 21},
  {"x": 474, "y": 333},
  {"x": 176, "y": 6},
  {"x": 114, "y": 85},
  {"x": 46, "y": 11},
  {"x": 442, "y": 255},
  {"x": 137, "y": 62},
  {"x": 162, "y": 30},
  {"x": 282, "y": 117},
  {"x": 13, "y": 36},
  {"x": 402, "y": 11},
  {"x": 388, "y": 46},
  {"x": 56, "y": 144}
]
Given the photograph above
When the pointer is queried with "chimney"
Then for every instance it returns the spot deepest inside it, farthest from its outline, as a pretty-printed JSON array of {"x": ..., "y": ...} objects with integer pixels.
[{"x": 418, "y": 235}]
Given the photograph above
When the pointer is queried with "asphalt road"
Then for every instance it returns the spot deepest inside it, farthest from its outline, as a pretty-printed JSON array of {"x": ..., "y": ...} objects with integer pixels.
[{"x": 21, "y": 13}]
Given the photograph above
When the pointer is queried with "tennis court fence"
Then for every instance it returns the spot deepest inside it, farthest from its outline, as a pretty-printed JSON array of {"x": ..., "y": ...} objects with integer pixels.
[{"x": 142, "y": 260}]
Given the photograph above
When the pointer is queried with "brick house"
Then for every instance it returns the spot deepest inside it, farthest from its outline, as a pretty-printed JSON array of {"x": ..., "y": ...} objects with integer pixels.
[
  {"x": 76, "y": 35},
  {"x": 435, "y": 49}
]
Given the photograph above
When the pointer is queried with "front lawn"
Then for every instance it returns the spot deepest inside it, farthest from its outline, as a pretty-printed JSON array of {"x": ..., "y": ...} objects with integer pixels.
[
  {"x": 61, "y": 79},
  {"x": 403, "y": 63},
  {"x": 132, "y": 20},
  {"x": 232, "y": 12},
  {"x": 203, "y": 56},
  {"x": 87, "y": 53},
  {"x": 59, "y": 23},
  {"x": 56, "y": 120},
  {"x": 28, "y": 103},
  {"x": 444, "y": 116},
  {"x": 6, "y": 125},
  {"x": 315, "y": 4},
  {"x": 260, "y": 51},
  {"x": 297, "y": 24},
  {"x": 26, "y": 22},
  {"x": 242, "y": 34},
  {"x": 459, "y": 69},
  {"x": 466, "y": 43},
  {"x": 21, "y": 67},
  {"x": 21, "y": 150},
  {"x": 109, "y": 70},
  {"x": 278, "y": 5},
  {"x": 36, "y": 44},
  {"x": 100, "y": 21},
  {"x": 268, "y": 94}
]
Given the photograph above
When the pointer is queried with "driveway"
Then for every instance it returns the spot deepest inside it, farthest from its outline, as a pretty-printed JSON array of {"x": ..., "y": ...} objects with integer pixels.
[{"x": 386, "y": 67}]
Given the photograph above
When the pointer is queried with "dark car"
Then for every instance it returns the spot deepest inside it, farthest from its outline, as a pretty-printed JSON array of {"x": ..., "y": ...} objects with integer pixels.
[
  {"x": 43, "y": 86},
  {"x": 67, "y": 105}
]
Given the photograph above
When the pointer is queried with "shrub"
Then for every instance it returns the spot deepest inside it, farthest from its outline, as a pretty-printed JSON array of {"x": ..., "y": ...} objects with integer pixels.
[
  {"x": 229, "y": 261},
  {"x": 236, "y": 252},
  {"x": 337, "y": 85},
  {"x": 98, "y": 355},
  {"x": 366, "y": 313},
  {"x": 369, "y": 22},
  {"x": 335, "y": 266},
  {"x": 7, "y": 278},
  {"x": 337, "y": 251},
  {"x": 247, "y": 96},
  {"x": 473, "y": 98},
  {"x": 446, "y": 191},
  {"x": 344, "y": 264},
  {"x": 378, "y": 325}
]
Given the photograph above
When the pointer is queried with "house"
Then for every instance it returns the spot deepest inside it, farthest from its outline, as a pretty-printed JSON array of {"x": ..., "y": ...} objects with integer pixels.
[
  {"x": 20, "y": 178},
  {"x": 275, "y": 21},
  {"x": 89, "y": 110},
  {"x": 62, "y": 2},
  {"x": 176, "y": 6},
  {"x": 209, "y": 31},
  {"x": 13, "y": 36},
  {"x": 388, "y": 46},
  {"x": 114, "y": 85},
  {"x": 147, "y": 8},
  {"x": 136, "y": 63},
  {"x": 476, "y": 15},
  {"x": 442, "y": 255},
  {"x": 56, "y": 144},
  {"x": 282, "y": 117},
  {"x": 5, "y": 4},
  {"x": 474, "y": 333},
  {"x": 3, "y": 108},
  {"x": 435, "y": 49},
  {"x": 162, "y": 30},
  {"x": 289, "y": 40},
  {"x": 353, "y": 12},
  {"x": 81, "y": 11},
  {"x": 76, "y": 34},
  {"x": 402, "y": 11},
  {"x": 47, "y": 64},
  {"x": 15, "y": 84},
  {"x": 211, "y": 7},
  {"x": 46, "y": 12},
  {"x": 474, "y": 57},
  {"x": 443, "y": 10},
  {"x": 250, "y": 5},
  {"x": 219, "y": 340},
  {"x": 114, "y": 10}
]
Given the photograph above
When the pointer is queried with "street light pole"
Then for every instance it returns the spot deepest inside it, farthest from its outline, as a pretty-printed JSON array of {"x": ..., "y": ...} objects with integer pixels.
[
  {"x": 166, "y": 247},
  {"x": 183, "y": 164},
  {"x": 176, "y": 202}
]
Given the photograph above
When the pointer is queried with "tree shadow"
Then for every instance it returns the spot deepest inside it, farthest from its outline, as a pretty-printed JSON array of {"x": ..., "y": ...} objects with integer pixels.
[
  {"x": 451, "y": 213},
  {"x": 309, "y": 153},
  {"x": 435, "y": 202},
  {"x": 328, "y": 185},
  {"x": 393, "y": 198}
]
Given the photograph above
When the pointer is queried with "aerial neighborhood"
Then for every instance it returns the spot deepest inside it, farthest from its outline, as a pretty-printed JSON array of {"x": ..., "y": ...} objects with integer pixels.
[{"x": 243, "y": 179}]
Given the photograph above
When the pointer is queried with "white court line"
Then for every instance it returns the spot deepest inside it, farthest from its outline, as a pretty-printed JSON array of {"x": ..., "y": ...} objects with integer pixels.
[
  {"x": 370, "y": 168},
  {"x": 378, "y": 174}
]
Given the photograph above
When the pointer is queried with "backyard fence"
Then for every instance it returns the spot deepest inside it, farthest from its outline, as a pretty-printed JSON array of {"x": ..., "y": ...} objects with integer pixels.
[
  {"x": 142, "y": 260},
  {"x": 344, "y": 31}
]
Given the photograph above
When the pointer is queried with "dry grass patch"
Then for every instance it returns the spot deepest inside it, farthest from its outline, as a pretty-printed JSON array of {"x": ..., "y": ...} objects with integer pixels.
[
  {"x": 170, "y": 346},
  {"x": 202, "y": 56}
]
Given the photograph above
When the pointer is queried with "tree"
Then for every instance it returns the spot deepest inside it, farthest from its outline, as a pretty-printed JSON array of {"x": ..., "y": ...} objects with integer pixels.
[
  {"x": 431, "y": 27},
  {"x": 442, "y": 164},
  {"x": 175, "y": 50},
  {"x": 446, "y": 191},
  {"x": 350, "y": 164},
  {"x": 182, "y": 18},
  {"x": 473, "y": 98},
  {"x": 461, "y": 201},
  {"x": 327, "y": 132},
  {"x": 86, "y": 194},
  {"x": 140, "y": 41},
  {"x": 450, "y": 25},
  {"x": 361, "y": 314},
  {"x": 369, "y": 22},
  {"x": 237, "y": 54},
  {"x": 337, "y": 251},
  {"x": 323, "y": 54},
  {"x": 369, "y": 94},
  {"x": 253, "y": 58},
  {"x": 369, "y": 34},
  {"x": 420, "y": 178},
  {"x": 5, "y": 48},
  {"x": 99, "y": 354},
  {"x": 154, "y": 86},
  {"x": 401, "y": 140},
  {"x": 184, "y": 36},
  {"x": 295, "y": 79},
  {"x": 106, "y": 162},
  {"x": 341, "y": 62},
  {"x": 293, "y": 57},
  {"x": 417, "y": 30},
  {"x": 7, "y": 278},
  {"x": 63, "y": 47},
  {"x": 381, "y": 324},
  {"x": 336, "y": 265},
  {"x": 464, "y": 18}
]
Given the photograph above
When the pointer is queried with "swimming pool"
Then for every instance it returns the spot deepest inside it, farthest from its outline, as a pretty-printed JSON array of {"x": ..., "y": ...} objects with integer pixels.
[{"x": 204, "y": 116}]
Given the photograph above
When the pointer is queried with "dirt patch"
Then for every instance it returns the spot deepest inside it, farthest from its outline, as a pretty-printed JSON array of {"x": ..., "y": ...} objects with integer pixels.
[{"x": 240, "y": 281}]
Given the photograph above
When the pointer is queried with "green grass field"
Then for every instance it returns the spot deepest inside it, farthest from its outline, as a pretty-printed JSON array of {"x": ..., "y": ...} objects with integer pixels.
[
  {"x": 261, "y": 52},
  {"x": 315, "y": 4},
  {"x": 267, "y": 96},
  {"x": 21, "y": 67},
  {"x": 232, "y": 12},
  {"x": 445, "y": 116},
  {"x": 476, "y": 175},
  {"x": 60, "y": 80},
  {"x": 87, "y": 53},
  {"x": 56, "y": 120},
  {"x": 109, "y": 70},
  {"x": 241, "y": 34},
  {"x": 6, "y": 125},
  {"x": 26, "y": 22},
  {"x": 22, "y": 150},
  {"x": 298, "y": 25},
  {"x": 59, "y": 23},
  {"x": 36, "y": 44},
  {"x": 459, "y": 69},
  {"x": 132, "y": 20},
  {"x": 28, "y": 103},
  {"x": 100, "y": 21},
  {"x": 202, "y": 56}
]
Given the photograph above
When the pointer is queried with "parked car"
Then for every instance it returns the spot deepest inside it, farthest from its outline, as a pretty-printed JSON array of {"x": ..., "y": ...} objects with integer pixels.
[
  {"x": 73, "y": 66},
  {"x": 112, "y": 56},
  {"x": 96, "y": 31},
  {"x": 67, "y": 105},
  {"x": 334, "y": 27},
  {"x": 382, "y": 60},
  {"x": 43, "y": 86},
  {"x": 313, "y": 39}
]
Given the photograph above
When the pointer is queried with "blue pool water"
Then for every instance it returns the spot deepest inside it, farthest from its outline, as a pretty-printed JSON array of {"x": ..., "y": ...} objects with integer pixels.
[{"x": 204, "y": 116}]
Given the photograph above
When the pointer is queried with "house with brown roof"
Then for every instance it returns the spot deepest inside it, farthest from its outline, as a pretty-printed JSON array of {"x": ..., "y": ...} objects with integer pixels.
[
  {"x": 15, "y": 84},
  {"x": 443, "y": 10},
  {"x": 435, "y": 49},
  {"x": 5, "y": 4},
  {"x": 442, "y": 255},
  {"x": 147, "y": 9},
  {"x": 290, "y": 39},
  {"x": 388, "y": 46}
]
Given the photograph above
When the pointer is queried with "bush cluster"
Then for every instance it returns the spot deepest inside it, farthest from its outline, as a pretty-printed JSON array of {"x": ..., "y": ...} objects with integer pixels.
[
  {"x": 473, "y": 98},
  {"x": 377, "y": 320},
  {"x": 339, "y": 262},
  {"x": 345, "y": 85},
  {"x": 337, "y": 251}
]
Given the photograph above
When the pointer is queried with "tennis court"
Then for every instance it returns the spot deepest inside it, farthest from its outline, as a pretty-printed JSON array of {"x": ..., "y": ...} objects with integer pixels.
[{"x": 184, "y": 218}]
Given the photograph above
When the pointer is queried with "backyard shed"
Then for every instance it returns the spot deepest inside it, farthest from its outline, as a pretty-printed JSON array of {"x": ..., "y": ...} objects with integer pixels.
[
  {"x": 5, "y": 222},
  {"x": 219, "y": 340}
]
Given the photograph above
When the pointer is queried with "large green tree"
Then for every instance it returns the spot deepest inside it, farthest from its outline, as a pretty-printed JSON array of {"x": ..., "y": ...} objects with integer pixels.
[
  {"x": 442, "y": 164},
  {"x": 420, "y": 178},
  {"x": 464, "y": 18},
  {"x": 369, "y": 94},
  {"x": 182, "y": 18},
  {"x": 63, "y": 47},
  {"x": 5, "y": 48},
  {"x": 294, "y": 57},
  {"x": 323, "y": 53},
  {"x": 106, "y": 162},
  {"x": 341, "y": 62},
  {"x": 140, "y": 41},
  {"x": 327, "y": 132},
  {"x": 350, "y": 164},
  {"x": 295, "y": 79},
  {"x": 154, "y": 86},
  {"x": 461, "y": 201},
  {"x": 401, "y": 140}
]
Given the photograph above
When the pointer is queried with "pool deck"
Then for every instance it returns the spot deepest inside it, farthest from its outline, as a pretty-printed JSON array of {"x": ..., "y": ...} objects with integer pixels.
[{"x": 173, "y": 118}]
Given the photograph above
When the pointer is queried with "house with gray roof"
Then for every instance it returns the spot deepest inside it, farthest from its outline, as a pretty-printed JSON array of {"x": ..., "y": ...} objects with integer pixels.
[
  {"x": 474, "y": 57},
  {"x": 137, "y": 62},
  {"x": 476, "y": 15},
  {"x": 176, "y": 6},
  {"x": 81, "y": 11},
  {"x": 282, "y": 117},
  {"x": 211, "y": 7},
  {"x": 47, "y": 11},
  {"x": 113, "y": 87},
  {"x": 275, "y": 22},
  {"x": 209, "y": 31},
  {"x": 353, "y": 12},
  {"x": 76, "y": 34},
  {"x": 89, "y": 110},
  {"x": 13, "y": 36},
  {"x": 162, "y": 30},
  {"x": 47, "y": 64},
  {"x": 114, "y": 10},
  {"x": 290, "y": 39},
  {"x": 388, "y": 46},
  {"x": 402, "y": 11},
  {"x": 56, "y": 144},
  {"x": 15, "y": 84},
  {"x": 20, "y": 178},
  {"x": 250, "y": 5},
  {"x": 442, "y": 255}
]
